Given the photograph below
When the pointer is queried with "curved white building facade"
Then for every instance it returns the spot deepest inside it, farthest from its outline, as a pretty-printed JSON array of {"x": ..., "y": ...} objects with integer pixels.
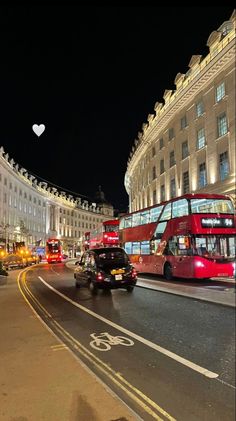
[
  {"x": 32, "y": 211},
  {"x": 188, "y": 145}
]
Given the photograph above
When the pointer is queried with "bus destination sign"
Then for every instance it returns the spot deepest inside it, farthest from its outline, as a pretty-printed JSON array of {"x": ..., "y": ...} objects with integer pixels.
[{"x": 218, "y": 222}]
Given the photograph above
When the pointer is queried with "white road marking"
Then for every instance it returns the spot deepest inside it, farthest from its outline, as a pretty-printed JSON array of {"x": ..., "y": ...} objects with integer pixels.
[
  {"x": 55, "y": 272},
  {"x": 158, "y": 348}
]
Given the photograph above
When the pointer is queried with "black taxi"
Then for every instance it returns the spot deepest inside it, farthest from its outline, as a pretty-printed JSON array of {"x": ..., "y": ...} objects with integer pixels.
[{"x": 105, "y": 268}]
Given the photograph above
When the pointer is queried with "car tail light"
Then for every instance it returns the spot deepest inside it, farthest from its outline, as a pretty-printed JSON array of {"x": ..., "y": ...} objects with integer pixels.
[
  {"x": 99, "y": 276},
  {"x": 134, "y": 273}
]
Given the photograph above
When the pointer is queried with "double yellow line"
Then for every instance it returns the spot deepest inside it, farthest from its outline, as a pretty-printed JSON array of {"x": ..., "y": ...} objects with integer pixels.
[{"x": 135, "y": 394}]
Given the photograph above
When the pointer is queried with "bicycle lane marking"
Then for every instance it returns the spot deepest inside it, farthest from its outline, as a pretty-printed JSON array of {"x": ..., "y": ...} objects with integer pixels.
[
  {"x": 150, "y": 344},
  {"x": 104, "y": 341},
  {"x": 134, "y": 393}
]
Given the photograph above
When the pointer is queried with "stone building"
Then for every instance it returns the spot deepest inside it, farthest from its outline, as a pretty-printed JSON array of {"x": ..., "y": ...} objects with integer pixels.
[
  {"x": 32, "y": 211},
  {"x": 188, "y": 144}
]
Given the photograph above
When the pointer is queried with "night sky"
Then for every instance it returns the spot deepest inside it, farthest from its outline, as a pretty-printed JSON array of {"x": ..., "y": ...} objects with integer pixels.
[{"x": 92, "y": 76}]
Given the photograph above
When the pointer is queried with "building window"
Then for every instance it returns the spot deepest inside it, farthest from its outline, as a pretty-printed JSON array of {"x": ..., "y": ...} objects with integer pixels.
[
  {"x": 161, "y": 143},
  {"x": 171, "y": 133},
  {"x": 172, "y": 188},
  {"x": 5, "y": 181},
  {"x": 220, "y": 92},
  {"x": 154, "y": 175},
  {"x": 162, "y": 193},
  {"x": 185, "y": 149},
  {"x": 202, "y": 175},
  {"x": 183, "y": 122},
  {"x": 154, "y": 197},
  {"x": 222, "y": 125},
  {"x": 153, "y": 151},
  {"x": 201, "y": 141},
  {"x": 224, "y": 165},
  {"x": 162, "y": 168},
  {"x": 199, "y": 108},
  {"x": 172, "y": 158},
  {"x": 185, "y": 182}
]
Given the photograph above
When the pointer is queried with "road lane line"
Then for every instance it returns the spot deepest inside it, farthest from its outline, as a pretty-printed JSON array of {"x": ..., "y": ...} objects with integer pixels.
[
  {"x": 115, "y": 377},
  {"x": 55, "y": 272},
  {"x": 158, "y": 348}
]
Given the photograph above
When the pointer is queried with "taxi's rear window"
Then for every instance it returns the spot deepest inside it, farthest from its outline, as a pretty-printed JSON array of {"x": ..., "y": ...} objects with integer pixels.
[{"x": 112, "y": 259}]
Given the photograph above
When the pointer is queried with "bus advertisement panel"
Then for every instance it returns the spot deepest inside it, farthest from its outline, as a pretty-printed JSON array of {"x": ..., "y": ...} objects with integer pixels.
[
  {"x": 192, "y": 236},
  {"x": 105, "y": 235},
  {"x": 53, "y": 250}
]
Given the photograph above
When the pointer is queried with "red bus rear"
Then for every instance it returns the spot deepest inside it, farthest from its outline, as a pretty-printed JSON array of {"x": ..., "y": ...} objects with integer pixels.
[
  {"x": 86, "y": 240},
  {"x": 192, "y": 236},
  {"x": 106, "y": 235},
  {"x": 53, "y": 250}
]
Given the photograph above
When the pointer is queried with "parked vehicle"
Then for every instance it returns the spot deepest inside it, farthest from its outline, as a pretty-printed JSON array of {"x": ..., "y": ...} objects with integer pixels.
[
  {"x": 105, "y": 268},
  {"x": 12, "y": 261}
]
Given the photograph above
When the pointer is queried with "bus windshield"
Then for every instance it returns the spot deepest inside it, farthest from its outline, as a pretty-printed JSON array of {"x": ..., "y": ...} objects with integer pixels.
[
  {"x": 111, "y": 228},
  {"x": 211, "y": 206},
  {"x": 215, "y": 246}
]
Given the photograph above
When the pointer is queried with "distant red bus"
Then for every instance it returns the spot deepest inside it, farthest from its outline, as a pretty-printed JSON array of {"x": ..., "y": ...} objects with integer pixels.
[
  {"x": 192, "y": 236},
  {"x": 53, "y": 250},
  {"x": 106, "y": 235},
  {"x": 86, "y": 240}
]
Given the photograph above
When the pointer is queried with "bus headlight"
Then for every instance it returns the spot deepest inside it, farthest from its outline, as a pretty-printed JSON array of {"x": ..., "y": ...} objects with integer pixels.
[
  {"x": 199, "y": 264},
  {"x": 234, "y": 269}
]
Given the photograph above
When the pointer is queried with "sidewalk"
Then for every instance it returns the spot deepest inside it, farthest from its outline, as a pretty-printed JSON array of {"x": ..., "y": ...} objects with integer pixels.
[
  {"x": 41, "y": 381},
  {"x": 207, "y": 293}
]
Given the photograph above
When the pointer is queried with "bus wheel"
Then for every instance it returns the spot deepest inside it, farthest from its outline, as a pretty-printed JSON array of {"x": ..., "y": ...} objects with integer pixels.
[{"x": 168, "y": 272}]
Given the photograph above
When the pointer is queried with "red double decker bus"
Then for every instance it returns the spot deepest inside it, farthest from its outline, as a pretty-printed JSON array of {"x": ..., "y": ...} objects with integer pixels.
[
  {"x": 53, "y": 250},
  {"x": 106, "y": 235},
  {"x": 192, "y": 236},
  {"x": 86, "y": 240}
]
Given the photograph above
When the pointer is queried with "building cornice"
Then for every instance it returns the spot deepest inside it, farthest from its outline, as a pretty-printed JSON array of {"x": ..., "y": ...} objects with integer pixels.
[
  {"x": 201, "y": 74},
  {"x": 46, "y": 191}
]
